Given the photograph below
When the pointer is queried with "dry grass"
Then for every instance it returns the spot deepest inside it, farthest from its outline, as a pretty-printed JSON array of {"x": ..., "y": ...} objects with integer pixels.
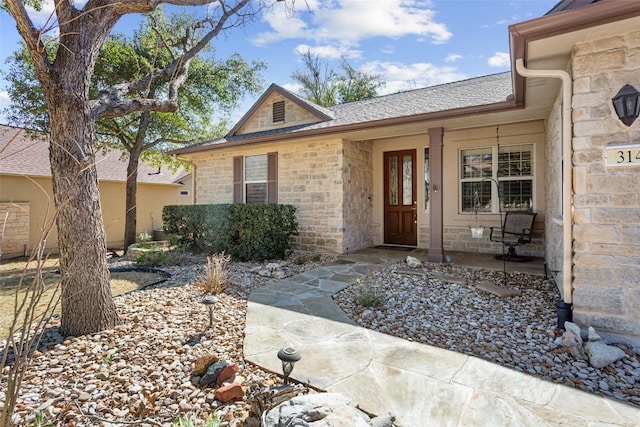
[
  {"x": 12, "y": 272},
  {"x": 215, "y": 276}
]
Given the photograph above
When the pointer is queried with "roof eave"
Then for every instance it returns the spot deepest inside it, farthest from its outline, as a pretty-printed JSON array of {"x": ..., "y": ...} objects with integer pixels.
[
  {"x": 568, "y": 21},
  {"x": 395, "y": 121}
]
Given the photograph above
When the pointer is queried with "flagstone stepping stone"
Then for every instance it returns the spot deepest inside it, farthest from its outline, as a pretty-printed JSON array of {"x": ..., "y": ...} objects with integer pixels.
[
  {"x": 446, "y": 278},
  {"x": 497, "y": 290}
]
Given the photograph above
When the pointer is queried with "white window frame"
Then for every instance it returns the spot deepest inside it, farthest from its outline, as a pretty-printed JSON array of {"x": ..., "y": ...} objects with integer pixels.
[
  {"x": 494, "y": 179},
  {"x": 256, "y": 181}
]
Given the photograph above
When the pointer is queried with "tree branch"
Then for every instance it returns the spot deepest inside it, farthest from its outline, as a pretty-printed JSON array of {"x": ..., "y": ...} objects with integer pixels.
[
  {"x": 31, "y": 36},
  {"x": 117, "y": 108},
  {"x": 109, "y": 102}
]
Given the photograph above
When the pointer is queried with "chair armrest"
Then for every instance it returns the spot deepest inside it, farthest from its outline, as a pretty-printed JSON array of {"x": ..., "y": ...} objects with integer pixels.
[{"x": 526, "y": 235}]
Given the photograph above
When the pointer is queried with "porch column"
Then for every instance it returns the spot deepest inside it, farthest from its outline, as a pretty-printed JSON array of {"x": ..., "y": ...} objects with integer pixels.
[{"x": 436, "y": 250}]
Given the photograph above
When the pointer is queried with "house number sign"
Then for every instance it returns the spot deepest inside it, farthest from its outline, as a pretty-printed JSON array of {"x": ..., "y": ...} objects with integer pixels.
[{"x": 622, "y": 155}]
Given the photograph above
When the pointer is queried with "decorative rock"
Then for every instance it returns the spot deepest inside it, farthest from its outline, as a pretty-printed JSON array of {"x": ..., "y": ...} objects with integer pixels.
[
  {"x": 203, "y": 362},
  {"x": 413, "y": 262},
  {"x": 212, "y": 373},
  {"x": 272, "y": 266},
  {"x": 593, "y": 335},
  {"x": 264, "y": 273},
  {"x": 601, "y": 354},
  {"x": 228, "y": 372},
  {"x": 278, "y": 274},
  {"x": 102, "y": 374},
  {"x": 383, "y": 421},
  {"x": 572, "y": 334},
  {"x": 322, "y": 409},
  {"x": 229, "y": 392}
]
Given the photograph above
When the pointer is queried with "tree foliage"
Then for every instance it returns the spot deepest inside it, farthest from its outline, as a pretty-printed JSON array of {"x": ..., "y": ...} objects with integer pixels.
[
  {"x": 210, "y": 91},
  {"x": 74, "y": 105},
  {"x": 325, "y": 86}
]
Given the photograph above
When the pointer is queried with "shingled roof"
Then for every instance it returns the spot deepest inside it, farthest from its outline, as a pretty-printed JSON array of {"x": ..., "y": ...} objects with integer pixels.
[
  {"x": 22, "y": 154},
  {"x": 449, "y": 97}
]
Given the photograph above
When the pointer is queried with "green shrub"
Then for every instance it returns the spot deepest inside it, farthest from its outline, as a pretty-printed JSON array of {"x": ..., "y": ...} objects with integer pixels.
[
  {"x": 40, "y": 421},
  {"x": 151, "y": 259},
  {"x": 366, "y": 295},
  {"x": 246, "y": 232},
  {"x": 212, "y": 421}
]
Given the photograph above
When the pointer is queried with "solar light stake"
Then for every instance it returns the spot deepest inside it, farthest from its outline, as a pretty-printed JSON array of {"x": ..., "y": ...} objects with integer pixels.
[
  {"x": 289, "y": 356},
  {"x": 210, "y": 301}
]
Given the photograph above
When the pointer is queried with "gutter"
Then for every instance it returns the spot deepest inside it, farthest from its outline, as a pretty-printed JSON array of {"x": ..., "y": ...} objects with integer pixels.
[{"x": 564, "y": 307}]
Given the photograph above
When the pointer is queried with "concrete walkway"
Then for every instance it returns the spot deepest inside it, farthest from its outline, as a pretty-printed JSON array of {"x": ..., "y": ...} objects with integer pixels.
[{"x": 421, "y": 385}]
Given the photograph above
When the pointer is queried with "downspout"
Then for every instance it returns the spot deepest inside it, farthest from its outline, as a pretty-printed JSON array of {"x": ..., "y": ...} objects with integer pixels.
[{"x": 564, "y": 307}]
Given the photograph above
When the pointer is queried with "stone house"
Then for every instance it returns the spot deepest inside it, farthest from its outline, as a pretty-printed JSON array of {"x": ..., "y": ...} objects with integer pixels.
[
  {"x": 26, "y": 194},
  {"x": 418, "y": 168}
]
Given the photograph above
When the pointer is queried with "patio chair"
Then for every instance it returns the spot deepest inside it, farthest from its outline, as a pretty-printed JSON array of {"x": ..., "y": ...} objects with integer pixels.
[{"x": 516, "y": 231}]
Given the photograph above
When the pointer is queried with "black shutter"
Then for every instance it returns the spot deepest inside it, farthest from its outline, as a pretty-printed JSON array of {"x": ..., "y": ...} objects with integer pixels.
[
  {"x": 272, "y": 178},
  {"x": 238, "y": 181}
]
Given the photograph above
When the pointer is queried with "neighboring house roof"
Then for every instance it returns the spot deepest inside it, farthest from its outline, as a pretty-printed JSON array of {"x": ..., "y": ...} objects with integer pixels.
[
  {"x": 449, "y": 97},
  {"x": 569, "y": 5},
  {"x": 23, "y": 153}
]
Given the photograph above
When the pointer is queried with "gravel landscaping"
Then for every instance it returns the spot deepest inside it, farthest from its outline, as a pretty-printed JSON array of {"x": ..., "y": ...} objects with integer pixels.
[
  {"x": 441, "y": 306},
  {"x": 140, "y": 372}
]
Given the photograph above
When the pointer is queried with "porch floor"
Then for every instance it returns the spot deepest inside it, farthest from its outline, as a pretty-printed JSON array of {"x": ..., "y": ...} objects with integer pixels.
[{"x": 463, "y": 259}]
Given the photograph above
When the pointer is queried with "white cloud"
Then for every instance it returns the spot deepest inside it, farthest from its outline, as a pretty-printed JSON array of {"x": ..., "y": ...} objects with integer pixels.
[
  {"x": 293, "y": 87},
  {"x": 340, "y": 21},
  {"x": 452, "y": 57},
  {"x": 330, "y": 52},
  {"x": 399, "y": 76},
  {"x": 43, "y": 16},
  {"x": 4, "y": 103},
  {"x": 388, "y": 49},
  {"x": 499, "y": 59},
  {"x": 46, "y": 15}
]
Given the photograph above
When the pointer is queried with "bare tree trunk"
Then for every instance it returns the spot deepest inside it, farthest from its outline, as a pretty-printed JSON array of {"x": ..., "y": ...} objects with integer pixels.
[
  {"x": 87, "y": 305},
  {"x": 131, "y": 204}
]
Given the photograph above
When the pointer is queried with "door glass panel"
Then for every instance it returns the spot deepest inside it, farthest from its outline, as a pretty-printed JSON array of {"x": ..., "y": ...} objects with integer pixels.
[
  {"x": 407, "y": 180},
  {"x": 393, "y": 180},
  {"x": 426, "y": 179}
]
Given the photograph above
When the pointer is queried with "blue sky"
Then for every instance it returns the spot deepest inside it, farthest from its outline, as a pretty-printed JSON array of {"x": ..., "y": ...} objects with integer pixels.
[{"x": 410, "y": 43}]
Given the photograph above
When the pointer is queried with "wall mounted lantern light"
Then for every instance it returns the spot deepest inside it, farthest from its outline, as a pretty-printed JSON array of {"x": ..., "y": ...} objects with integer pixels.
[
  {"x": 289, "y": 356},
  {"x": 627, "y": 104}
]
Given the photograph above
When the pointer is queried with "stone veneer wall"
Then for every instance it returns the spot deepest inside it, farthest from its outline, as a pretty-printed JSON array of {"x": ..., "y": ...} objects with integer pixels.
[
  {"x": 262, "y": 118},
  {"x": 459, "y": 239},
  {"x": 14, "y": 224},
  {"x": 310, "y": 177},
  {"x": 553, "y": 188},
  {"x": 607, "y": 199},
  {"x": 358, "y": 204}
]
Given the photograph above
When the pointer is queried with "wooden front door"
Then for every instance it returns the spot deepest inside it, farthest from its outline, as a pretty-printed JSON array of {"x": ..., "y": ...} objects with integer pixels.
[{"x": 400, "y": 198}]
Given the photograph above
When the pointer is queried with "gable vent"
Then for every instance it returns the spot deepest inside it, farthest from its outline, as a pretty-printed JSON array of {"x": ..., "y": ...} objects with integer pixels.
[{"x": 278, "y": 112}]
